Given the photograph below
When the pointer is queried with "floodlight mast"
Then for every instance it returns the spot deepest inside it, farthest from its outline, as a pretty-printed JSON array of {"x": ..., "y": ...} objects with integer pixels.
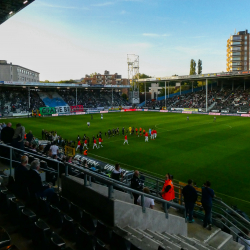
[{"x": 133, "y": 70}]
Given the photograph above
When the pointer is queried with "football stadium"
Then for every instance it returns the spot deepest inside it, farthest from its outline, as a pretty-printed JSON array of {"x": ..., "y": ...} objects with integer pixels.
[{"x": 124, "y": 164}]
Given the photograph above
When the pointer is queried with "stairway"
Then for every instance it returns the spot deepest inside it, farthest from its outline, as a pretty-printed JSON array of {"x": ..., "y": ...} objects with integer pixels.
[{"x": 149, "y": 240}]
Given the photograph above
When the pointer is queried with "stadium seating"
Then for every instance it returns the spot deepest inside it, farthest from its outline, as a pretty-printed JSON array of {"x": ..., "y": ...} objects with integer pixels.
[{"x": 52, "y": 99}]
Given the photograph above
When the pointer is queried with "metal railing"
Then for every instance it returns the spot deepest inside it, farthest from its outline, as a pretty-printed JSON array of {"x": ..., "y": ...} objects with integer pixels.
[{"x": 220, "y": 209}]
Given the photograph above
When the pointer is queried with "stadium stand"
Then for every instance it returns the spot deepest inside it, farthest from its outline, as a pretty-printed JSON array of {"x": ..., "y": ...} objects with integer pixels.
[
  {"x": 51, "y": 99},
  {"x": 75, "y": 218}
]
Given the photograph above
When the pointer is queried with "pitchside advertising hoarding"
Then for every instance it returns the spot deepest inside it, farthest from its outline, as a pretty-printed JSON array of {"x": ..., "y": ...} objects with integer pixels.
[{"x": 78, "y": 109}]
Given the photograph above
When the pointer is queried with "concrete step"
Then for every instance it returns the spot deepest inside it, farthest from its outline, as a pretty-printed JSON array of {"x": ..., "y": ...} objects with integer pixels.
[
  {"x": 235, "y": 246},
  {"x": 193, "y": 242},
  {"x": 220, "y": 240},
  {"x": 167, "y": 242},
  {"x": 145, "y": 240},
  {"x": 180, "y": 241}
]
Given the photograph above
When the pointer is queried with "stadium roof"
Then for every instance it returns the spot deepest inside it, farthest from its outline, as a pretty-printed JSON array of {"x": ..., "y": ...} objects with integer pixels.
[
  {"x": 9, "y": 8},
  {"x": 60, "y": 85},
  {"x": 201, "y": 77}
]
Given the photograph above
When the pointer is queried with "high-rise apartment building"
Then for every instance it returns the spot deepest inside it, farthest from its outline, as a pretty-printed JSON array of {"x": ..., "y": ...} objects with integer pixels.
[{"x": 238, "y": 52}]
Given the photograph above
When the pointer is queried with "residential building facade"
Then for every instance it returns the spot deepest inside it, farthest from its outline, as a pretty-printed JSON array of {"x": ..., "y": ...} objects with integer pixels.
[
  {"x": 238, "y": 52},
  {"x": 16, "y": 73},
  {"x": 105, "y": 79}
]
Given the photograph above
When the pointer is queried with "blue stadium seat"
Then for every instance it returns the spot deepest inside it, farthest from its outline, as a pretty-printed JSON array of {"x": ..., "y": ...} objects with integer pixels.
[
  {"x": 75, "y": 213},
  {"x": 5, "y": 197},
  {"x": 15, "y": 211},
  {"x": 64, "y": 205},
  {"x": 69, "y": 228},
  {"x": 44, "y": 207},
  {"x": 28, "y": 218},
  {"x": 161, "y": 248},
  {"x": 41, "y": 235},
  {"x": 100, "y": 245},
  {"x": 55, "y": 200},
  {"x": 55, "y": 217},
  {"x": 4, "y": 238},
  {"x": 103, "y": 232},
  {"x": 84, "y": 240},
  {"x": 56, "y": 243},
  {"x": 88, "y": 221}
]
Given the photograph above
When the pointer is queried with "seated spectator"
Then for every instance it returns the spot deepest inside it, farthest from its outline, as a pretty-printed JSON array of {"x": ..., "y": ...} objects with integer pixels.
[
  {"x": 243, "y": 240},
  {"x": 40, "y": 149},
  {"x": 21, "y": 176},
  {"x": 29, "y": 136},
  {"x": 34, "y": 182},
  {"x": 148, "y": 202},
  {"x": 190, "y": 197},
  {"x": 117, "y": 173},
  {"x": 7, "y": 134},
  {"x": 54, "y": 149}
]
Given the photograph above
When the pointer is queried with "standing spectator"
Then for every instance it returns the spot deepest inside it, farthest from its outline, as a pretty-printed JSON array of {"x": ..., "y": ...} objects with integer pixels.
[
  {"x": 18, "y": 138},
  {"x": 136, "y": 184},
  {"x": 117, "y": 173},
  {"x": 54, "y": 149},
  {"x": 34, "y": 182},
  {"x": 7, "y": 134},
  {"x": 21, "y": 176},
  {"x": 167, "y": 191},
  {"x": 148, "y": 202},
  {"x": 190, "y": 197},
  {"x": 206, "y": 200},
  {"x": 81, "y": 148},
  {"x": 29, "y": 136}
]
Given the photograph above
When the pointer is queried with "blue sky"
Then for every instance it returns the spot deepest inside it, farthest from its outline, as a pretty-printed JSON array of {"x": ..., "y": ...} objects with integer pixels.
[{"x": 68, "y": 39}]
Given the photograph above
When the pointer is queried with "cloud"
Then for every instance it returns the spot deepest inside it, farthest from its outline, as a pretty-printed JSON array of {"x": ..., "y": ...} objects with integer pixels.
[
  {"x": 59, "y": 6},
  {"x": 154, "y": 35},
  {"x": 123, "y": 12},
  {"x": 103, "y": 4}
]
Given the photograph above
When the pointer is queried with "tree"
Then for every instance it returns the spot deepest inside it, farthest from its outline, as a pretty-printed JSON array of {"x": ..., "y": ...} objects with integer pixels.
[
  {"x": 124, "y": 96},
  {"x": 199, "y": 66},
  {"x": 93, "y": 74},
  {"x": 192, "y": 67}
]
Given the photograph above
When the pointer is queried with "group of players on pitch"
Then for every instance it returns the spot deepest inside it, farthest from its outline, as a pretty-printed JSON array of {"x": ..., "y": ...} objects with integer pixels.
[{"x": 151, "y": 132}]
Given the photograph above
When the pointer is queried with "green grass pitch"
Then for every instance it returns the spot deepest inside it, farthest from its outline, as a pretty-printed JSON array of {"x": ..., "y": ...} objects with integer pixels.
[{"x": 199, "y": 149}]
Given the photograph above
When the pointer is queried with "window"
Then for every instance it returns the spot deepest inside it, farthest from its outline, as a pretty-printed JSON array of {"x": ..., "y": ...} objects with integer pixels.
[
  {"x": 236, "y": 58},
  {"x": 245, "y": 37},
  {"x": 236, "y": 38},
  {"x": 245, "y": 68},
  {"x": 245, "y": 42},
  {"x": 245, "y": 58},
  {"x": 245, "y": 47},
  {"x": 245, "y": 63},
  {"x": 236, "y": 43},
  {"x": 236, "y": 53}
]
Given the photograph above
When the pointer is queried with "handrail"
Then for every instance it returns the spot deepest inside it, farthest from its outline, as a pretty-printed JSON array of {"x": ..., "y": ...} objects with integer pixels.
[
  {"x": 110, "y": 182},
  {"x": 113, "y": 183}
]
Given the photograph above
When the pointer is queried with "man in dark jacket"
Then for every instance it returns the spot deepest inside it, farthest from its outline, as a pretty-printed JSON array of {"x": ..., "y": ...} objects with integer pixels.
[
  {"x": 136, "y": 184},
  {"x": 34, "y": 182},
  {"x": 190, "y": 197},
  {"x": 206, "y": 200},
  {"x": 7, "y": 134},
  {"x": 21, "y": 177},
  {"x": 29, "y": 136}
]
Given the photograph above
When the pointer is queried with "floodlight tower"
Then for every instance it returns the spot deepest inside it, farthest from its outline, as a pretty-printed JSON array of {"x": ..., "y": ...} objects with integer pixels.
[{"x": 133, "y": 76}]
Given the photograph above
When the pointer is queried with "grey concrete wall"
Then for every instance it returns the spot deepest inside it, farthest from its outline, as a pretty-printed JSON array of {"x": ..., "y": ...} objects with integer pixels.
[
  {"x": 119, "y": 195},
  {"x": 116, "y": 212},
  {"x": 132, "y": 215},
  {"x": 94, "y": 203}
]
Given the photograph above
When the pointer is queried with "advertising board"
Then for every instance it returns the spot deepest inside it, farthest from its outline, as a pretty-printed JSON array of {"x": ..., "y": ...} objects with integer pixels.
[
  {"x": 47, "y": 111},
  {"x": 62, "y": 109}
]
